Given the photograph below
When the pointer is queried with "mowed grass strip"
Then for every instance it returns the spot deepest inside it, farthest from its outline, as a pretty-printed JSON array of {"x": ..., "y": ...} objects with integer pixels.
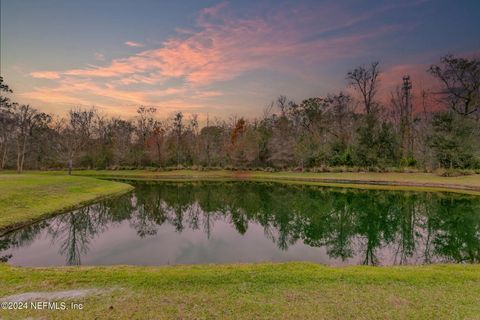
[
  {"x": 364, "y": 180},
  {"x": 249, "y": 291},
  {"x": 28, "y": 197}
]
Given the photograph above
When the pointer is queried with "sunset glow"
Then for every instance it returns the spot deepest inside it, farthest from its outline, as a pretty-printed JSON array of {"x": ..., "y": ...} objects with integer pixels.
[{"x": 220, "y": 58}]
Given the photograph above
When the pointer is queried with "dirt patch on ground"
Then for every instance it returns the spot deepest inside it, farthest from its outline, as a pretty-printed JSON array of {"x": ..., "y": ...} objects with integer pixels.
[
  {"x": 241, "y": 175},
  {"x": 55, "y": 295}
]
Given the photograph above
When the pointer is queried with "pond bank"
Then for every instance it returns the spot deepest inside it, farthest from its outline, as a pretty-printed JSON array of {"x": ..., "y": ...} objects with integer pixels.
[
  {"x": 35, "y": 195},
  {"x": 29, "y": 197},
  {"x": 364, "y": 180},
  {"x": 249, "y": 291}
]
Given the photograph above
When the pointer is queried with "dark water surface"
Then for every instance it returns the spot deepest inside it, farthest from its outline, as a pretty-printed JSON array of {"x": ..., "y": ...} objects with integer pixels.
[{"x": 211, "y": 222}]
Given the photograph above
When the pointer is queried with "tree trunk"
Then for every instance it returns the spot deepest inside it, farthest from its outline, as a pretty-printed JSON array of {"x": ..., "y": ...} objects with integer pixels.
[
  {"x": 18, "y": 158},
  {"x": 70, "y": 164},
  {"x": 178, "y": 150},
  {"x": 4, "y": 157},
  {"x": 22, "y": 159},
  {"x": 159, "y": 153},
  {"x": 208, "y": 153},
  {"x": 18, "y": 164}
]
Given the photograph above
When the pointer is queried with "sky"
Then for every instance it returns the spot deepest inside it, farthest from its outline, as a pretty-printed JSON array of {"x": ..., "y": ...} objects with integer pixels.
[{"x": 221, "y": 58}]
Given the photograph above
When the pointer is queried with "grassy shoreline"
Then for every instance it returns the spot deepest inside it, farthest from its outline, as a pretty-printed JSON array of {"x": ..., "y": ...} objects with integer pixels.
[
  {"x": 35, "y": 195},
  {"x": 364, "y": 180},
  {"x": 28, "y": 197},
  {"x": 266, "y": 290}
]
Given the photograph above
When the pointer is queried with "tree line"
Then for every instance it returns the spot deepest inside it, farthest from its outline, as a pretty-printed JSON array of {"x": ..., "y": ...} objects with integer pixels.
[{"x": 340, "y": 129}]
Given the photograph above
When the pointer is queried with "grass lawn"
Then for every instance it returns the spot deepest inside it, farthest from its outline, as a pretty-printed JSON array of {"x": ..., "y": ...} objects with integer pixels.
[
  {"x": 252, "y": 291},
  {"x": 28, "y": 197},
  {"x": 365, "y": 180}
]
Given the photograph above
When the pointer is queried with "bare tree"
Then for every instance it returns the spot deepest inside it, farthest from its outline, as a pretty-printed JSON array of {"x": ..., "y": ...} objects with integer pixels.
[
  {"x": 27, "y": 120},
  {"x": 7, "y": 122},
  {"x": 340, "y": 108},
  {"x": 282, "y": 143},
  {"x": 146, "y": 122},
  {"x": 401, "y": 101},
  {"x": 365, "y": 80},
  {"x": 122, "y": 132},
  {"x": 211, "y": 143},
  {"x": 74, "y": 134},
  {"x": 157, "y": 140},
  {"x": 461, "y": 83},
  {"x": 178, "y": 131},
  {"x": 146, "y": 125}
]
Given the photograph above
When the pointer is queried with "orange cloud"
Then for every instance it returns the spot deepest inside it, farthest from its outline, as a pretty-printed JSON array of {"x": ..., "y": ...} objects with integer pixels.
[{"x": 45, "y": 74}]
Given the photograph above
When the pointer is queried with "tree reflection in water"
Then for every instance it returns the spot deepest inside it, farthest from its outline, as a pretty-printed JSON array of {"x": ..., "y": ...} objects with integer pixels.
[{"x": 410, "y": 227}]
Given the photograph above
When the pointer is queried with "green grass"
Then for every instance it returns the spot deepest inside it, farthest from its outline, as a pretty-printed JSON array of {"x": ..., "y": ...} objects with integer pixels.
[
  {"x": 251, "y": 291},
  {"x": 399, "y": 181},
  {"x": 28, "y": 197}
]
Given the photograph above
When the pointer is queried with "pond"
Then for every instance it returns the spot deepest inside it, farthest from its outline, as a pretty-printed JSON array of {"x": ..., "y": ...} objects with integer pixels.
[{"x": 229, "y": 222}]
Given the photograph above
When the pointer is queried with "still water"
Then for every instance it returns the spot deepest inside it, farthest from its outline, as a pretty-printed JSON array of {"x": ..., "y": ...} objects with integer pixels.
[{"x": 211, "y": 222}]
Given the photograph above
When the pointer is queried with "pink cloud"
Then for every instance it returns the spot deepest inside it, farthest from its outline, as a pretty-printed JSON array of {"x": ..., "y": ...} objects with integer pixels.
[
  {"x": 99, "y": 56},
  {"x": 133, "y": 44},
  {"x": 227, "y": 47},
  {"x": 222, "y": 48}
]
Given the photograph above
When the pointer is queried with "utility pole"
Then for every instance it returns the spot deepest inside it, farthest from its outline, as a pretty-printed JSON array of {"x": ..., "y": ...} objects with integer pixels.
[
  {"x": 407, "y": 136},
  {"x": 407, "y": 87},
  {"x": 208, "y": 140}
]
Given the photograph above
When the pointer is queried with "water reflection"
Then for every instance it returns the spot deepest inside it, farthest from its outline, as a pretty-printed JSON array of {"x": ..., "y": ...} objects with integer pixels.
[{"x": 350, "y": 226}]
